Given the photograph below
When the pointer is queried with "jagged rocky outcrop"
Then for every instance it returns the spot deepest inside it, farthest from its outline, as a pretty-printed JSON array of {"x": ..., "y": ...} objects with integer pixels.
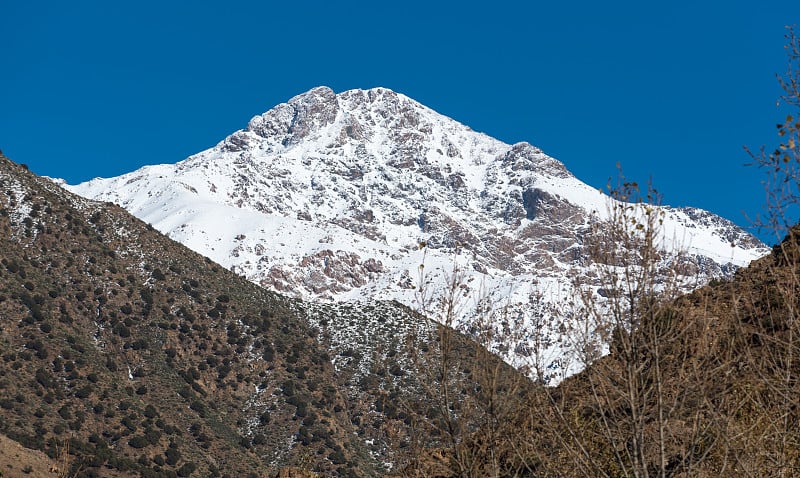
[{"x": 330, "y": 196}]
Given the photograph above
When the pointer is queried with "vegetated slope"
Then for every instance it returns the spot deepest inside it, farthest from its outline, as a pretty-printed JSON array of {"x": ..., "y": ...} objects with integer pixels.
[
  {"x": 329, "y": 197},
  {"x": 706, "y": 386},
  {"x": 142, "y": 357}
]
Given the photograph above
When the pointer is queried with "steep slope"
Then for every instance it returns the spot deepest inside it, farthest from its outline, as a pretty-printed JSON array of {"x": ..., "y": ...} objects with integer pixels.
[
  {"x": 330, "y": 197},
  {"x": 140, "y": 356}
]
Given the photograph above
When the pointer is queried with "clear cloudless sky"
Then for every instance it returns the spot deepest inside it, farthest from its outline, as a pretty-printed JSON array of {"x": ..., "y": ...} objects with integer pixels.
[{"x": 671, "y": 90}]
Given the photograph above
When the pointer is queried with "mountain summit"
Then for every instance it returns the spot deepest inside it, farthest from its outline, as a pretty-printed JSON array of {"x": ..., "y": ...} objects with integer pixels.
[{"x": 347, "y": 196}]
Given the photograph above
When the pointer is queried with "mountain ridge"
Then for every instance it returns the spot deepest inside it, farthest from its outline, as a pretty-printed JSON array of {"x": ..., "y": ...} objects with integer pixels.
[{"x": 330, "y": 196}]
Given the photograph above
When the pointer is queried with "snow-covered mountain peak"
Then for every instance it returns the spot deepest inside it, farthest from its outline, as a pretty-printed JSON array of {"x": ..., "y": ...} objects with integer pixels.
[
  {"x": 328, "y": 196},
  {"x": 364, "y": 138}
]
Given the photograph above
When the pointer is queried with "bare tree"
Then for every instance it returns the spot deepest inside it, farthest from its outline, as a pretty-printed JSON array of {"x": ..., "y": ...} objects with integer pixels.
[
  {"x": 766, "y": 433},
  {"x": 629, "y": 421},
  {"x": 782, "y": 165},
  {"x": 473, "y": 396},
  {"x": 702, "y": 385}
]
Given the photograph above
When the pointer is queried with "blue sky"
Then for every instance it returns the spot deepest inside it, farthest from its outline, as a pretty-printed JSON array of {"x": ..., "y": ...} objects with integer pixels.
[{"x": 670, "y": 90}]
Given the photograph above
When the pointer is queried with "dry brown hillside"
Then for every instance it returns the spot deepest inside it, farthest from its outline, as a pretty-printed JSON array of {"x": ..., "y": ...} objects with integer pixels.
[{"x": 705, "y": 385}]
